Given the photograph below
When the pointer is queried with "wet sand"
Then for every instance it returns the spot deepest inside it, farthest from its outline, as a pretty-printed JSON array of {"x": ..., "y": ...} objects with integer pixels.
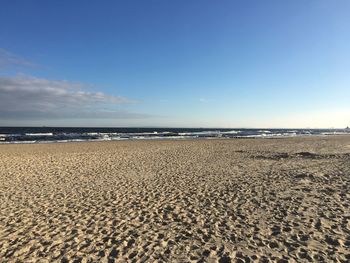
[{"x": 251, "y": 200}]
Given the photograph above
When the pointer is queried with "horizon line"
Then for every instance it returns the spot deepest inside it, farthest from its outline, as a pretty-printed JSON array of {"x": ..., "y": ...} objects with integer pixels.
[{"x": 176, "y": 127}]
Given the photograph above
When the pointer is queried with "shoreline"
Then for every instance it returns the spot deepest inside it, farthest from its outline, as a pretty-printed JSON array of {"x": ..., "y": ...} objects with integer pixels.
[{"x": 174, "y": 139}]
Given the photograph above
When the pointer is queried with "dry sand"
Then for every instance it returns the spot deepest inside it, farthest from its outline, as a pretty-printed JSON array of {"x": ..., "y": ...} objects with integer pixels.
[{"x": 283, "y": 200}]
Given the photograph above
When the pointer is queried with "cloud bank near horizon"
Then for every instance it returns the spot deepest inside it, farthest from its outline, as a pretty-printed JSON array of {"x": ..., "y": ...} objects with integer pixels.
[{"x": 25, "y": 97}]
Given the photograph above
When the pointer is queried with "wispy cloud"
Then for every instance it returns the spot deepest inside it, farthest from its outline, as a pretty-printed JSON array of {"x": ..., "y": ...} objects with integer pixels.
[
  {"x": 29, "y": 97},
  {"x": 8, "y": 59}
]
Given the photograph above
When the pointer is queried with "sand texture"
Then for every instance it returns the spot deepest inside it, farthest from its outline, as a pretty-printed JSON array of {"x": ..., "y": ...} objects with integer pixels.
[{"x": 272, "y": 200}]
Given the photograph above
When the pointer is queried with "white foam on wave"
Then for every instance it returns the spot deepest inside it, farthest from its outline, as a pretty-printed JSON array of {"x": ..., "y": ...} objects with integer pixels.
[
  {"x": 39, "y": 134},
  {"x": 335, "y": 133},
  {"x": 201, "y": 133},
  {"x": 230, "y": 132}
]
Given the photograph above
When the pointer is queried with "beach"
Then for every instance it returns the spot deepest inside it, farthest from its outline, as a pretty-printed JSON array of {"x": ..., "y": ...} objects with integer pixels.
[{"x": 219, "y": 200}]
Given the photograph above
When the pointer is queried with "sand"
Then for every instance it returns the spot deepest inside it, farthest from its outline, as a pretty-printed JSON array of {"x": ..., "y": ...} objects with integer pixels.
[{"x": 249, "y": 200}]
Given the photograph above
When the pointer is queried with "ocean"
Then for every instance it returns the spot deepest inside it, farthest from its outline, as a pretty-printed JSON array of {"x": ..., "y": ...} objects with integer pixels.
[{"x": 71, "y": 134}]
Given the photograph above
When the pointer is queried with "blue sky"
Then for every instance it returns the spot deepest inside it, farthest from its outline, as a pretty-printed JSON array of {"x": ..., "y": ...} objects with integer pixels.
[{"x": 175, "y": 63}]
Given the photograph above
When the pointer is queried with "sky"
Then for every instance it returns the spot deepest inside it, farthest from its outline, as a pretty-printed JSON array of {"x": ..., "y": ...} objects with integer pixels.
[{"x": 183, "y": 63}]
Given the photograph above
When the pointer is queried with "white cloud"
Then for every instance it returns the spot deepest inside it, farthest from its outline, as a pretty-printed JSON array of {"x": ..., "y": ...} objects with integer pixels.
[
  {"x": 7, "y": 59},
  {"x": 23, "y": 97}
]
